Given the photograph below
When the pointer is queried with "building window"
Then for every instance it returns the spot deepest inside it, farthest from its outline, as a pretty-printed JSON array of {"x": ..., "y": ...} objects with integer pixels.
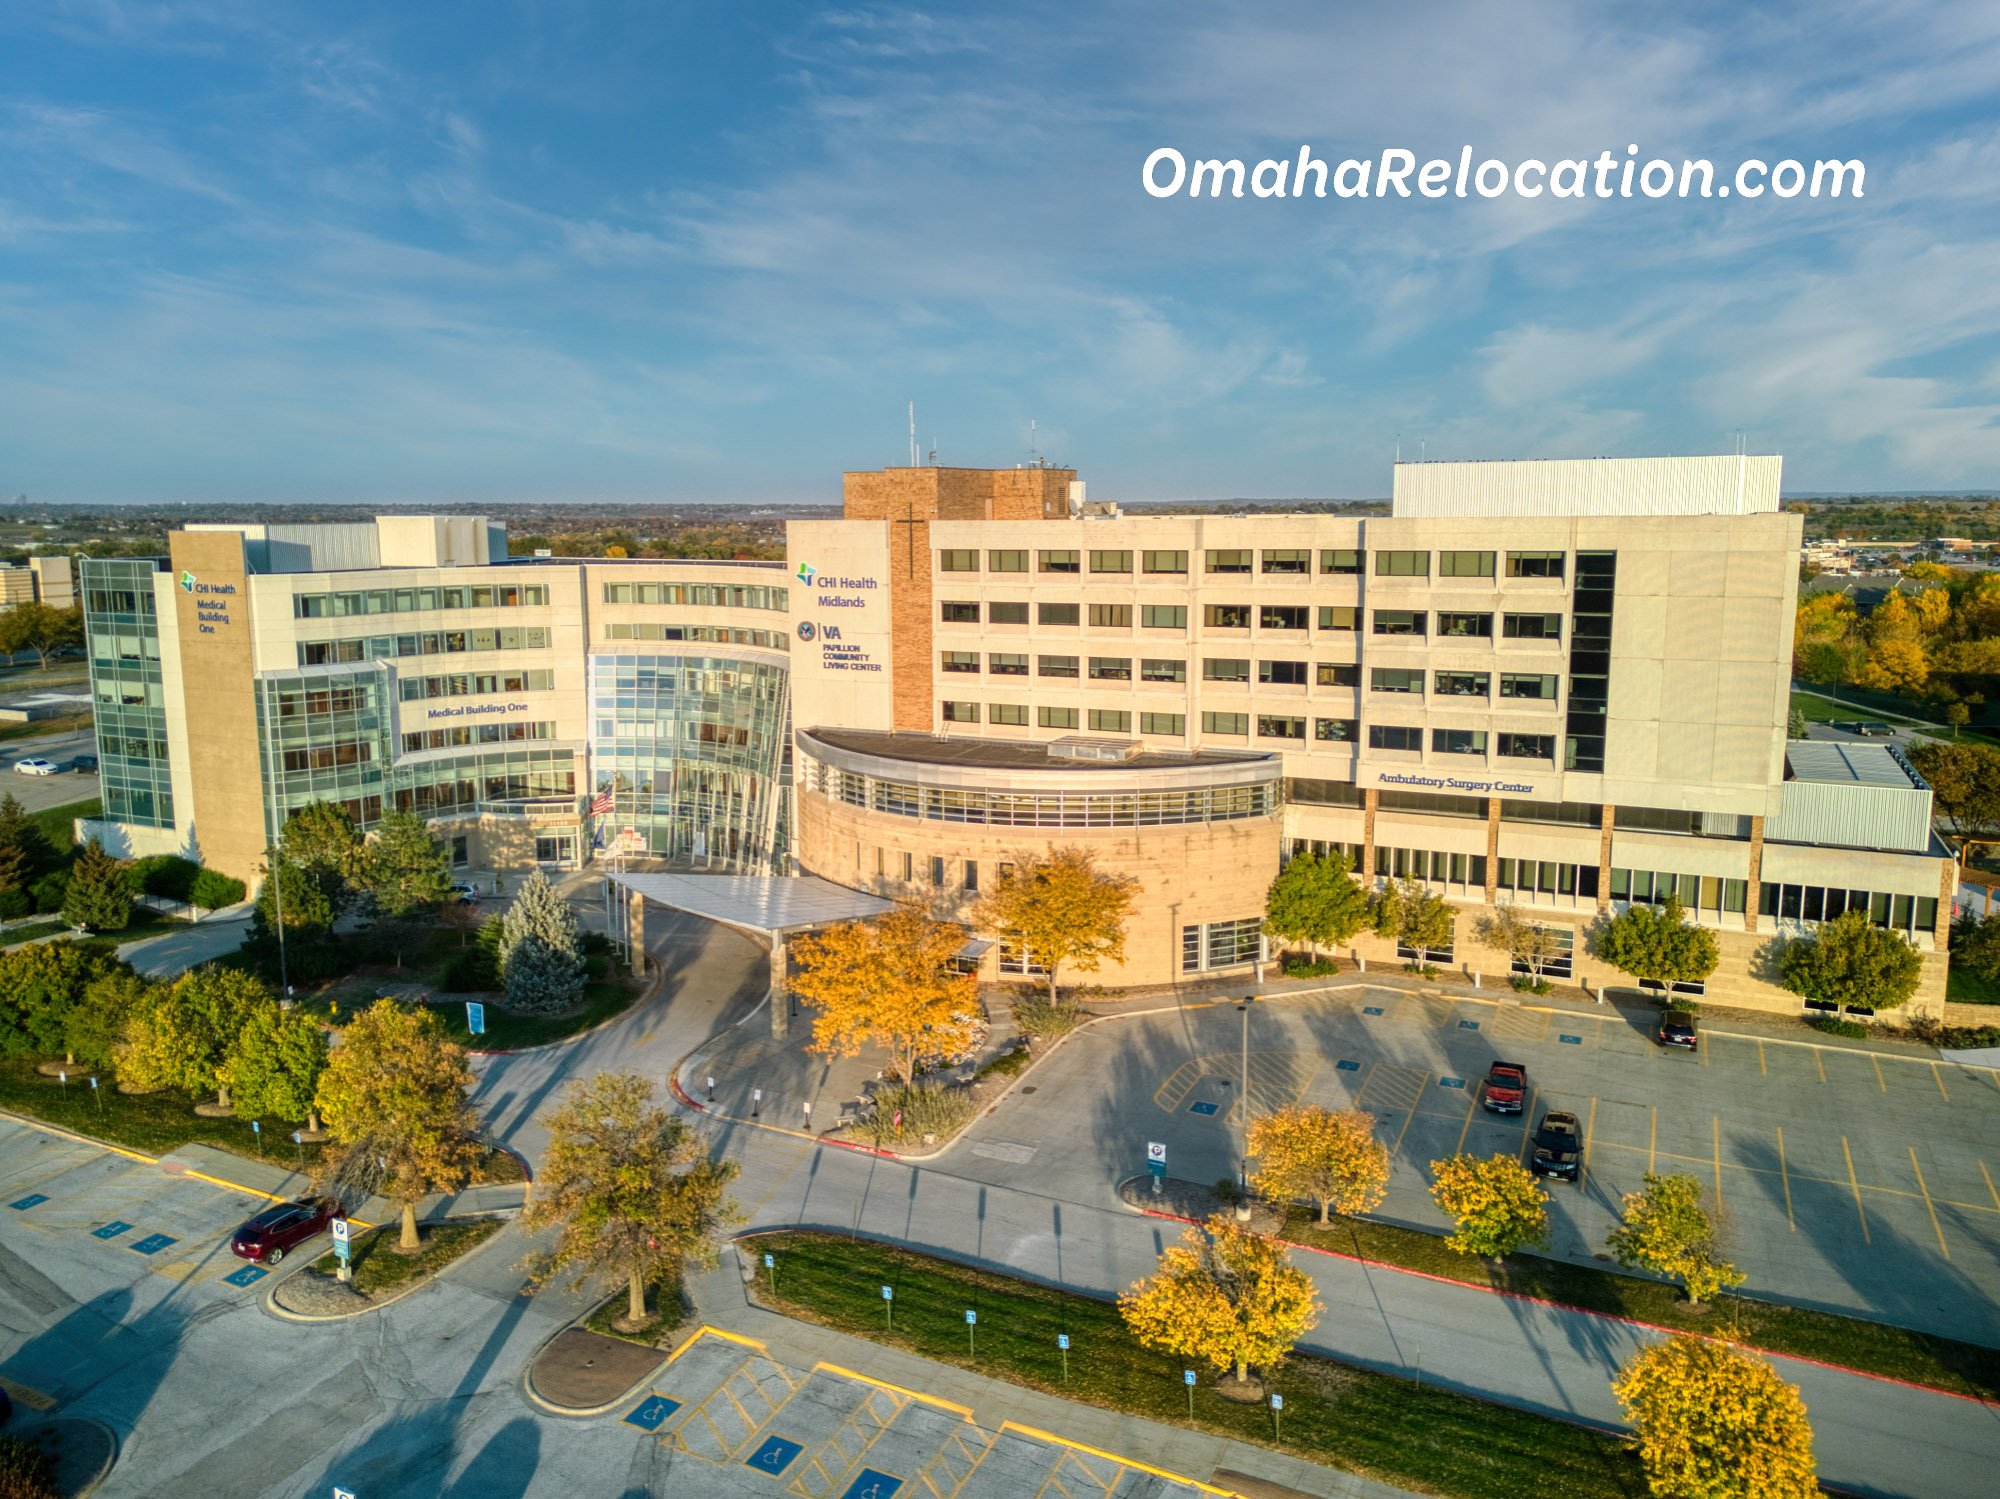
[
  {"x": 1396, "y": 679},
  {"x": 1110, "y": 668},
  {"x": 1055, "y": 718},
  {"x": 1282, "y": 673},
  {"x": 1225, "y": 671},
  {"x": 1532, "y": 627},
  {"x": 1227, "y": 616},
  {"x": 1060, "y": 562},
  {"x": 1236, "y": 725},
  {"x": 1398, "y": 622},
  {"x": 1282, "y": 616},
  {"x": 1425, "y": 954},
  {"x": 1057, "y": 614},
  {"x": 1154, "y": 669},
  {"x": 1335, "y": 730},
  {"x": 1163, "y": 723},
  {"x": 559, "y": 848},
  {"x": 1691, "y": 988},
  {"x": 1391, "y": 736},
  {"x": 1534, "y": 564},
  {"x": 1402, "y": 564},
  {"x": 1012, "y": 958},
  {"x": 909, "y": 867},
  {"x": 1230, "y": 560},
  {"x": 1529, "y": 877},
  {"x": 1007, "y": 713},
  {"x": 461, "y": 851},
  {"x": 937, "y": 871},
  {"x": 1461, "y": 683},
  {"x": 1007, "y": 562},
  {"x": 1431, "y": 804},
  {"x": 1270, "y": 727},
  {"x": 1163, "y": 616},
  {"x": 1007, "y": 614},
  {"x": 1111, "y": 562},
  {"x": 961, "y": 713},
  {"x": 1006, "y": 664},
  {"x": 1527, "y": 746},
  {"x": 960, "y": 661},
  {"x": 1540, "y": 686},
  {"x": 1465, "y": 626},
  {"x": 1288, "y": 560},
  {"x": 958, "y": 560},
  {"x": 1465, "y": 564},
  {"x": 1561, "y": 963},
  {"x": 1055, "y": 666},
  {"x": 1111, "y": 616},
  {"x": 1222, "y": 944},
  {"x": 1562, "y": 814},
  {"x": 1340, "y": 560},
  {"x": 970, "y": 883},
  {"x": 1459, "y": 741},
  {"x": 1338, "y": 674},
  {"x": 1165, "y": 562},
  {"x": 1340, "y": 617},
  {"x": 1110, "y": 721},
  {"x": 1812, "y": 903}
]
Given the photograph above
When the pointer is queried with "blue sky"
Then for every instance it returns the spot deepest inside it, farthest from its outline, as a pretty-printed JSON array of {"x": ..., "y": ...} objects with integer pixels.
[{"x": 688, "y": 251}]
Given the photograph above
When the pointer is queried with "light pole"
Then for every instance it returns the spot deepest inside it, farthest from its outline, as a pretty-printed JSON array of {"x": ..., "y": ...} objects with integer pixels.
[{"x": 1243, "y": 1101}]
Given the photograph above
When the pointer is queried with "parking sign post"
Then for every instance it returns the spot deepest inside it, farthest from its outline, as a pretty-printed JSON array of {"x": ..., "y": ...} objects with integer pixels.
[
  {"x": 1062, "y": 1342},
  {"x": 341, "y": 1248},
  {"x": 475, "y": 1017},
  {"x": 1156, "y": 1163},
  {"x": 971, "y": 1322},
  {"x": 1187, "y": 1378},
  {"x": 889, "y": 1305},
  {"x": 1277, "y": 1406}
]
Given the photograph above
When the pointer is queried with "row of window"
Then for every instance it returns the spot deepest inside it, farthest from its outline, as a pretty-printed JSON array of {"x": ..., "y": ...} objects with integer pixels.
[
  {"x": 329, "y": 756},
  {"x": 1271, "y": 561},
  {"x": 353, "y": 602},
  {"x": 1222, "y": 944},
  {"x": 723, "y": 595},
  {"x": 1099, "y": 720},
  {"x": 477, "y": 733},
  {"x": 1043, "y": 808},
  {"x": 426, "y": 643},
  {"x": 1451, "y": 625},
  {"x": 1897, "y": 913},
  {"x": 1508, "y": 744},
  {"x": 770, "y": 640},
  {"x": 468, "y": 684}
]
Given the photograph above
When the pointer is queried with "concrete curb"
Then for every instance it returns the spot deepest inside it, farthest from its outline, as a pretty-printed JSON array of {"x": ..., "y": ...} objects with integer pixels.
[
  {"x": 268, "y": 1301},
  {"x": 584, "y": 1413},
  {"x": 28, "y": 1430}
]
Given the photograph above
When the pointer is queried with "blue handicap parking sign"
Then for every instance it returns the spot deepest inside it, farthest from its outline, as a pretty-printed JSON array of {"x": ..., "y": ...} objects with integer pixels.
[
  {"x": 153, "y": 1243},
  {"x": 1468, "y": 1025},
  {"x": 32, "y": 1200},
  {"x": 249, "y": 1275},
  {"x": 1202, "y": 1108},
  {"x": 871, "y": 1484},
  {"x": 1347, "y": 1066},
  {"x": 1572, "y": 1040},
  {"x": 650, "y": 1412},
  {"x": 110, "y": 1230},
  {"x": 773, "y": 1455},
  {"x": 1451, "y": 1082},
  {"x": 1371, "y": 1009}
]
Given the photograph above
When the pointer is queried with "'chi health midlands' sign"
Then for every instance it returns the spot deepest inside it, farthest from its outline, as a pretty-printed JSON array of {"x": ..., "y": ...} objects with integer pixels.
[{"x": 831, "y": 592}]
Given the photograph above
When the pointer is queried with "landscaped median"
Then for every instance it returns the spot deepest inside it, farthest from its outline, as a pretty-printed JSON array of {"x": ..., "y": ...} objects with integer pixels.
[
  {"x": 1798, "y": 1332},
  {"x": 1383, "y": 1426},
  {"x": 380, "y": 1272}
]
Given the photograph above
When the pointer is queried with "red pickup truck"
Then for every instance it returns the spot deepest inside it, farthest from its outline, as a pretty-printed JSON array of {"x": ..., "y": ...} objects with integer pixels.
[{"x": 1506, "y": 1088}]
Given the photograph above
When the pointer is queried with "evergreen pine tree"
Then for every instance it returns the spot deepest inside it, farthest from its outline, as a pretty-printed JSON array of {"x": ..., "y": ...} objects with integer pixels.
[
  {"x": 18, "y": 832},
  {"x": 539, "y": 960},
  {"x": 99, "y": 896}
]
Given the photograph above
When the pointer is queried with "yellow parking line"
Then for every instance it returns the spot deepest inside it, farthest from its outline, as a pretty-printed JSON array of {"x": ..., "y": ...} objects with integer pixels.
[
  {"x": 1855, "y": 1182},
  {"x": 1527, "y": 1122},
  {"x": 1716, "y": 1121},
  {"x": 1785, "y": 1176},
  {"x": 1471, "y": 1105},
  {"x": 1819, "y": 1062},
  {"x": 1936, "y": 1227},
  {"x": 1035, "y": 1433},
  {"x": 1589, "y": 1134},
  {"x": 1762, "y": 1070},
  {"x": 1989, "y": 1186},
  {"x": 1880, "y": 1081},
  {"x": 1939, "y": 1075},
  {"x": 1652, "y": 1142},
  {"x": 893, "y": 1389}
]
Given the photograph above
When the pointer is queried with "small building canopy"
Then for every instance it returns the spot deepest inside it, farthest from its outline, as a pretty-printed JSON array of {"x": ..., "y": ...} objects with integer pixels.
[{"x": 765, "y": 904}]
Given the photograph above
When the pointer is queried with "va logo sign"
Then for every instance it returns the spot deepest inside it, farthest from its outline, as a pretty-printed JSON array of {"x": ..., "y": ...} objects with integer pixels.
[
  {"x": 807, "y": 629},
  {"x": 187, "y": 582},
  {"x": 807, "y": 572}
]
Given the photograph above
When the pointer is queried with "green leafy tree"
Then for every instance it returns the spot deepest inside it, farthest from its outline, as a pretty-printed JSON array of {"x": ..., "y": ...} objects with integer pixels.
[
  {"x": 182, "y": 1037},
  {"x": 1965, "y": 784},
  {"x": 25, "y": 853},
  {"x": 1975, "y": 944},
  {"x": 274, "y": 1066},
  {"x": 394, "y": 1095},
  {"x": 1315, "y": 900},
  {"x": 41, "y": 986},
  {"x": 1658, "y": 943},
  {"x": 405, "y": 873},
  {"x": 1851, "y": 961},
  {"x": 1408, "y": 913},
  {"x": 96, "y": 1023},
  {"x": 1059, "y": 908},
  {"x": 630, "y": 1189},
  {"x": 322, "y": 842},
  {"x": 99, "y": 895},
  {"x": 1496, "y": 1203},
  {"x": 1667, "y": 1230},
  {"x": 541, "y": 962},
  {"x": 41, "y": 628}
]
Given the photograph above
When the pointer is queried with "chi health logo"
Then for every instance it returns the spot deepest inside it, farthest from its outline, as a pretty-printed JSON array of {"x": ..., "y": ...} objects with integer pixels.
[
  {"x": 807, "y": 629},
  {"x": 807, "y": 572},
  {"x": 187, "y": 582}
]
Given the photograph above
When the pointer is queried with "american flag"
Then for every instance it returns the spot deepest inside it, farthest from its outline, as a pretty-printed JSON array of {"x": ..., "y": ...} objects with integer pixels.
[{"x": 602, "y": 803}]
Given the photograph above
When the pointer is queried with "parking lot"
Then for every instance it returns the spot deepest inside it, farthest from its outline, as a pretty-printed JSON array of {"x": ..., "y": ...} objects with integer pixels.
[{"x": 1850, "y": 1180}]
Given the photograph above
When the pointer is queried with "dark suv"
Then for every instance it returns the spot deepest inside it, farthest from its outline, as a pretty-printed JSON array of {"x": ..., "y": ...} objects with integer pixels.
[
  {"x": 1678, "y": 1028},
  {"x": 1558, "y": 1147}
]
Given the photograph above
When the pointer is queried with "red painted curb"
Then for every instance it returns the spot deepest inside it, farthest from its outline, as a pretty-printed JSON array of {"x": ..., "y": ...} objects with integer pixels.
[{"x": 674, "y": 1082}]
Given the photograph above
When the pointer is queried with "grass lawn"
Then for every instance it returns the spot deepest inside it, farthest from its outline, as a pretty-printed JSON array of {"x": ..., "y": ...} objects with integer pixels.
[
  {"x": 1876, "y": 1347},
  {"x": 1964, "y": 987},
  {"x": 68, "y": 723},
  {"x": 56, "y": 823},
  {"x": 662, "y": 1332},
  {"x": 379, "y": 1269},
  {"x": 508, "y": 1032},
  {"x": 1376, "y": 1424},
  {"x": 33, "y": 930}
]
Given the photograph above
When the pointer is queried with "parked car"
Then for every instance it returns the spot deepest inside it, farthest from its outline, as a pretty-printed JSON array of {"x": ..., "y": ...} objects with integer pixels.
[
  {"x": 1678, "y": 1028},
  {"x": 1506, "y": 1089},
  {"x": 265, "y": 1238},
  {"x": 464, "y": 892},
  {"x": 1558, "y": 1148},
  {"x": 84, "y": 765},
  {"x": 35, "y": 767}
]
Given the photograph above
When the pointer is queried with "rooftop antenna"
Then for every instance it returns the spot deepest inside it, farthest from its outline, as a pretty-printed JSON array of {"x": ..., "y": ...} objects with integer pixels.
[
  {"x": 933, "y": 452},
  {"x": 1034, "y": 443},
  {"x": 913, "y": 434},
  {"x": 1399, "y": 447},
  {"x": 1423, "y": 448}
]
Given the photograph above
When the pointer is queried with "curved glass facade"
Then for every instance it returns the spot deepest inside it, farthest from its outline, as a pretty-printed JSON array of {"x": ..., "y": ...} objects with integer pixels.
[{"x": 693, "y": 750}]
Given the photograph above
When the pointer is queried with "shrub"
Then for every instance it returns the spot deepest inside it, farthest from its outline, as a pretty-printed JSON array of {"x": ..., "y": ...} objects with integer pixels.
[
  {"x": 15, "y": 903},
  {"x": 211, "y": 890},
  {"x": 26, "y": 1470},
  {"x": 1830, "y": 1025},
  {"x": 1226, "y": 1191},
  {"x": 1007, "y": 1064},
  {"x": 1041, "y": 1021},
  {"x": 469, "y": 970},
  {"x": 926, "y": 1110},
  {"x": 168, "y": 876},
  {"x": 1297, "y": 967},
  {"x": 50, "y": 891}
]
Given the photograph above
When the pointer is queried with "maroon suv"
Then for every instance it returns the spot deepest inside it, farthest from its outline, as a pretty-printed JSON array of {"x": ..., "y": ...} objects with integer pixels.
[{"x": 266, "y": 1237}]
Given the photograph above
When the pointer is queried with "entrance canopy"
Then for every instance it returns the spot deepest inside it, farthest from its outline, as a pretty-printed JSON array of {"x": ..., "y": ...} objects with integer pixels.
[{"x": 768, "y": 905}]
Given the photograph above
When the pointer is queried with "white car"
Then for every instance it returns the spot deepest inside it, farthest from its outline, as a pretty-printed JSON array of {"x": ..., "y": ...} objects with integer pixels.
[{"x": 36, "y": 767}]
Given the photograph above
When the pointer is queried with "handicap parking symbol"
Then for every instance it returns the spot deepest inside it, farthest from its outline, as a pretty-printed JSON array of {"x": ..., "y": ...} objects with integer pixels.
[
  {"x": 1371, "y": 1009},
  {"x": 869, "y": 1484},
  {"x": 32, "y": 1200},
  {"x": 110, "y": 1230},
  {"x": 1572, "y": 1040},
  {"x": 152, "y": 1243},
  {"x": 773, "y": 1455},
  {"x": 1468, "y": 1025},
  {"x": 1202, "y": 1108},
  {"x": 249, "y": 1275},
  {"x": 650, "y": 1412},
  {"x": 1451, "y": 1082},
  {"x": 1345, "y": 1066}
]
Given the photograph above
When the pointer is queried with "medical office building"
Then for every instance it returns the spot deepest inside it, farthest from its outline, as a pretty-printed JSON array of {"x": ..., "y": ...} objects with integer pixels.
[{"x": 1558, "y": 686}]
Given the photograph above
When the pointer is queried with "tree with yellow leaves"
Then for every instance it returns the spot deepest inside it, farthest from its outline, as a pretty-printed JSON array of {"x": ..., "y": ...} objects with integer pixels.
[
  {"x": 1666, "y": 1230},
  {"x": 888, "y": 981},
  {"x": 1331, "y": 1157},
  {"x": 1224, "y": 1295},
  {"x": 1059, "y": 908},
  {"x": 1496, "y": 1203},
  {"x": 1715, "y": 1423}
]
